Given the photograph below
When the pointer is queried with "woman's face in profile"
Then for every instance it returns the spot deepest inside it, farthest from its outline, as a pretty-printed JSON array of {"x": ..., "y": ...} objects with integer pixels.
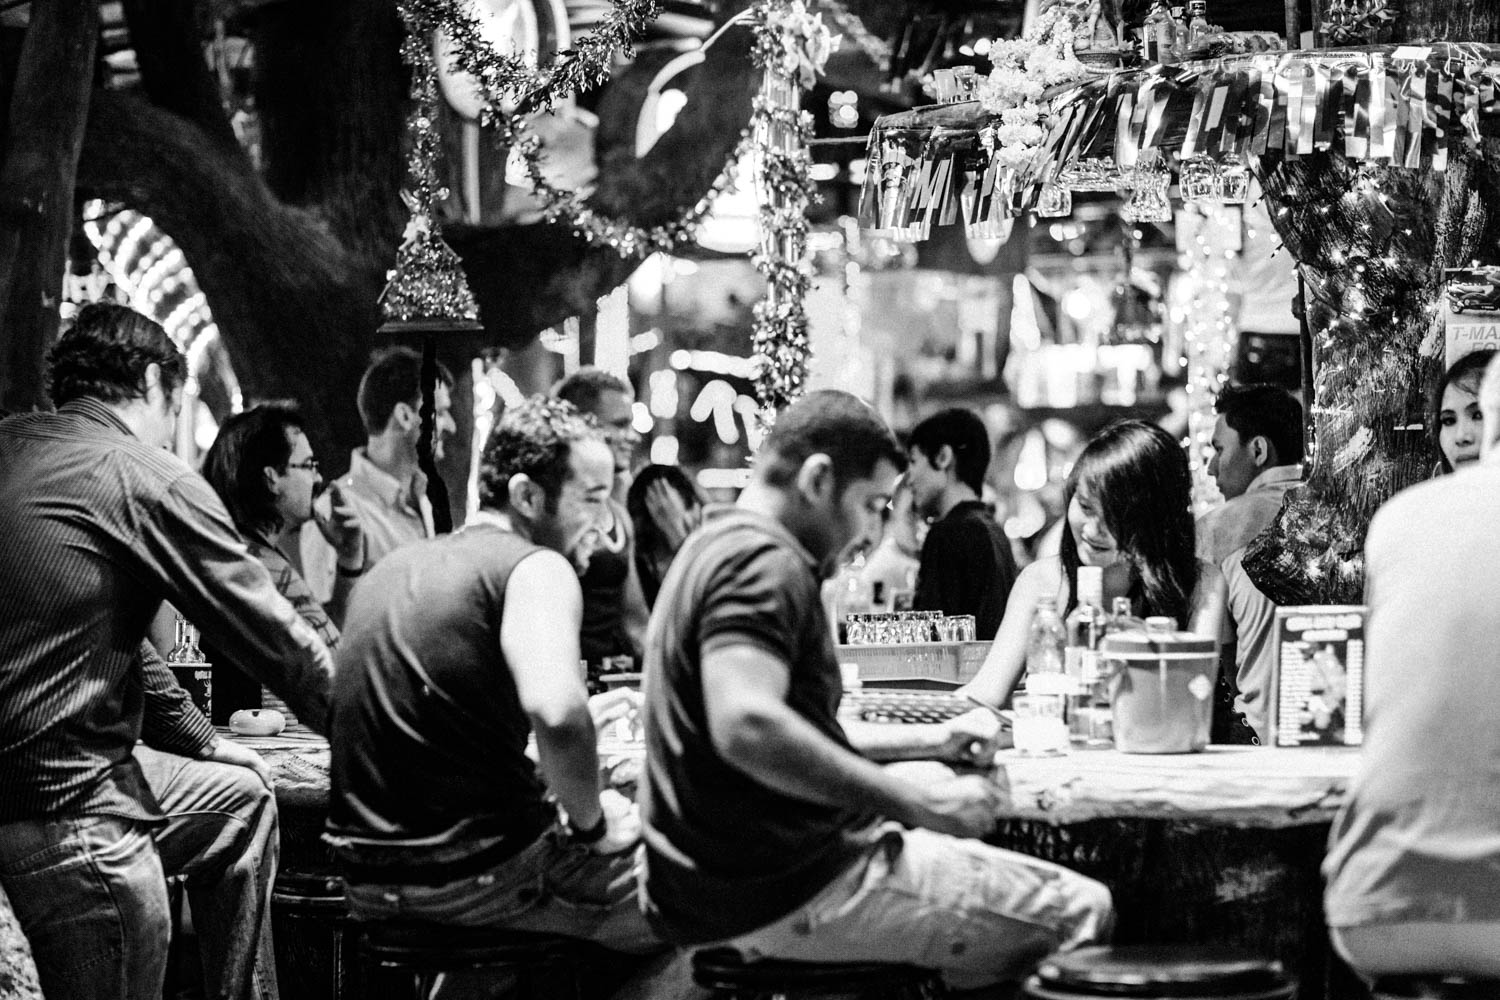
[
  {"x": 1096, "y": 546},
  {"x": 1459, "y": 425}
]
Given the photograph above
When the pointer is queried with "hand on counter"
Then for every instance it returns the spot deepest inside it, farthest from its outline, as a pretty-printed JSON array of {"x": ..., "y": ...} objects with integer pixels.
[
  {"x": 972, "y": 738},
  {"x": 229, "y": 752}
]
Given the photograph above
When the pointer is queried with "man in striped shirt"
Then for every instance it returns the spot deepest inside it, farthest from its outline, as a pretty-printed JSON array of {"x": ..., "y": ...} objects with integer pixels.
[{"x": 98, "y": 525}]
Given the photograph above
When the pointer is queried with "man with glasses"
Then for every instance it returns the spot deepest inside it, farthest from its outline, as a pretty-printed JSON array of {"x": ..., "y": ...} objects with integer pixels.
[
  {"x": 99, "y": 524},
  {"x": 262, "y": 467}
]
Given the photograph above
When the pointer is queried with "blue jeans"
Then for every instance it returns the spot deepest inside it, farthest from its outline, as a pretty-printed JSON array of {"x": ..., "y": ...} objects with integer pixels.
[{"x": 91, "y": 892}]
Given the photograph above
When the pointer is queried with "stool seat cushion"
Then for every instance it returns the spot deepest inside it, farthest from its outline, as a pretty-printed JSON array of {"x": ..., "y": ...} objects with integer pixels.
[
  {"x": 398, "y": 939},
  {"x": 1159, "y": 971},
  {"x": 1437, "y": 988},
  {"x": 726, "y": 969}
]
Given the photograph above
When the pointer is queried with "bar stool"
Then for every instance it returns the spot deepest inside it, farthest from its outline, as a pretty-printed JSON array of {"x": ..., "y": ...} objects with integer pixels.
[
  {"x": 730, "y": 977},
  {"x": 408, "y": 960},
  {"x": 1153, "y": 972},
  {"x": 1434, "y": 988}
]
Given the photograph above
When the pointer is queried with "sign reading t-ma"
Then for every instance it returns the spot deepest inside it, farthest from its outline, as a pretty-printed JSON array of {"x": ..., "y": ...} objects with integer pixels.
[{"x": 1473, "y": 300}]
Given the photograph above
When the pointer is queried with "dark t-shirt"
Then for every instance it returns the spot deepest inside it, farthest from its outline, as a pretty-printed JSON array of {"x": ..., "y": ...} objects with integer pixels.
[
  {"x": 603, "y": 632},
  {"x": 967, "y": 568},
  {"x": 428, "y": 736},
  {"x": 724, "y": 853}
]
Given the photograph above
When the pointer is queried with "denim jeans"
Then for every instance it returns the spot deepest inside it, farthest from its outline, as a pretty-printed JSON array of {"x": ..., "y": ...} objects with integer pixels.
[
  {"x": 91, "y": 892},
  {"x": 977, "y": 914}
]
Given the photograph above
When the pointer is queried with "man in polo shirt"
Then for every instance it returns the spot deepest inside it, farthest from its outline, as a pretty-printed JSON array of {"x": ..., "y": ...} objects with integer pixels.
[
  {"x": 98, "y": 525},
  {"x": 762, "y": 821},
  {"x": 384, "y": 485},
  {"x": 1257, "y": 457}
]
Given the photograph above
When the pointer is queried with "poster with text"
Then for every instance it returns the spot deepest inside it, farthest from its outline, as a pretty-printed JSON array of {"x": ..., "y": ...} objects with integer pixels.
[
  {"x": 1320, "y": 676},
  {"x": 1472, "y": 303}
]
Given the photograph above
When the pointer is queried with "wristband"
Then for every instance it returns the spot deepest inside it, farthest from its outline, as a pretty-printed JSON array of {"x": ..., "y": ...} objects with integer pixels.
[
  {"x": 349, "y": 572},
  {"x": 592, "y": 835}
]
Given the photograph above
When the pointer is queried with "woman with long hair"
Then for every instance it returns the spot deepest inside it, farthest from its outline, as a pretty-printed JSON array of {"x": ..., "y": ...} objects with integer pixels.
[
  {"x": 1127, "y": 504},
  {"x": 1454, "y": 420}
]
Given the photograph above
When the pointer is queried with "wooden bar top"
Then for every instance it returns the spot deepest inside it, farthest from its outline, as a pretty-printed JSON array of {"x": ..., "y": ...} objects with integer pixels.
[{"x": 1225, "y": 786}]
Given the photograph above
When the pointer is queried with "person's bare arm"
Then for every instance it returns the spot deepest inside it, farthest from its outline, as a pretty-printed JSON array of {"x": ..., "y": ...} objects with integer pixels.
[
  {"x": 539, "y": 637},
  {"x": 754, "y": 729},
  {"x": 1006, "y": 660},
  {"x": 1209, "y": 600}
]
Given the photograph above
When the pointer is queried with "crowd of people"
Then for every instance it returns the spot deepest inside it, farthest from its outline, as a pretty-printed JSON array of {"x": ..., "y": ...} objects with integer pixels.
[{"x": 451, "y": 676}]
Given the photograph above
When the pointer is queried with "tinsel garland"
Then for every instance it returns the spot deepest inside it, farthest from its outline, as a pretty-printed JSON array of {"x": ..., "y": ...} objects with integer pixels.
[
  {"x": 533, "y": 88},
  {"x": 791, "y": 47},
  {"x": 1209, "y": 335},
  {"x": 428, "y": 280}
]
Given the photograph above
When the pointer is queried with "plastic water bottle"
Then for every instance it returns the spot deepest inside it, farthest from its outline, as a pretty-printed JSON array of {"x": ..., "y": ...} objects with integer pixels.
[{"x": 1044, "y": 650}]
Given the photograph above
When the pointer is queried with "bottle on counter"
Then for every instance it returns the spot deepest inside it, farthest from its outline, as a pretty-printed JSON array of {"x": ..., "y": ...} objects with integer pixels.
[
  {"x": 1179, "y": 33},
  {"x": 852, "y": 595},
  {"x": 1086, "y": 626},
  {"x": 1158, "y": 35},
  {"x": 1197, "y": 24},
  {"x": 1045, "y": 650},
  {"x": 1122, "y": 618}
]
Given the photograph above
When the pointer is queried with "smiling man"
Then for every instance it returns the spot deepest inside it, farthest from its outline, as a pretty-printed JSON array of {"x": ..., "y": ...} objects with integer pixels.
[{"x": 455, "y": 651}]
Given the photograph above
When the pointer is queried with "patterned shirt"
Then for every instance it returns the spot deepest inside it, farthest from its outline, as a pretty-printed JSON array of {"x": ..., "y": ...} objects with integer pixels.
[
  {"x": 96, "y": 530},
  {"x": 290, "y": 584}
]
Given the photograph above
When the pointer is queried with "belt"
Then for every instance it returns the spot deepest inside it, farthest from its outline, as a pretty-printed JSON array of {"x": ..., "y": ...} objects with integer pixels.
[{"x": 432, "y": 873}]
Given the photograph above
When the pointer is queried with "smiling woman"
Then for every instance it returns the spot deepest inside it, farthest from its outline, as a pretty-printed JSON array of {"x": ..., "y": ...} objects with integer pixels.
[{"x": 1128, "y": 514}]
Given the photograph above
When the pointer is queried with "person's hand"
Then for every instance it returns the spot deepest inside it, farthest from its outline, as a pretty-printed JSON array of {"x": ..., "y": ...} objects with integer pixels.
[
  {"x": 972, "y": 738},
  {"x": 340, "y": 525},
  {"x": 671, "y": 514},
  {"x": 622, "y": 824},
  {"x": 229, "y": 752},
  {"x": 613, "y": 705},
  {"x": 963, "y": 807}
]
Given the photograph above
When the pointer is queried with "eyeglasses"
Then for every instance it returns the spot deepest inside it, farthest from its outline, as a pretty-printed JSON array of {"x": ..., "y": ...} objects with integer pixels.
[{"x": 311, "y": 465}]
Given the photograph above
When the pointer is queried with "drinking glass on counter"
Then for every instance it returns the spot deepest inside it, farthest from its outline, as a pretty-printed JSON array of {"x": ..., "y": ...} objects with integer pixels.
[
  {"x": 904, "y": 627},
  {"x": 1038, "y": 727}
]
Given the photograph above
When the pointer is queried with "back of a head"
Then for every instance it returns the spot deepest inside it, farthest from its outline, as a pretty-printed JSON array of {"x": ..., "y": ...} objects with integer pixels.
[
  {"x": 964, "y": 432},
  {"x": 833, "y": 423},
  {"x": 105, "y": 353},
  {"x": 534, "y": 439},
  {"x": 393, "y": 376},
  {"x": 584, "y": 387},
  {"x": 247, "y": 444},
  {"x": 1263, "y": 410}
]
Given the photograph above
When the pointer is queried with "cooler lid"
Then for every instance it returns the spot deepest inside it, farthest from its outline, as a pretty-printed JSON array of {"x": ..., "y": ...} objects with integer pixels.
[
  {"x": 1135, "y": 644},
  {"x": 1161, "y": 971}
]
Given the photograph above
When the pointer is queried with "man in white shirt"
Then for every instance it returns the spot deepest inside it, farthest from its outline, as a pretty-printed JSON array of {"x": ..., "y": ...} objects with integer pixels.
[
  {"x": 1257, "y": 457},
  {"x": 384, "y": 484}
]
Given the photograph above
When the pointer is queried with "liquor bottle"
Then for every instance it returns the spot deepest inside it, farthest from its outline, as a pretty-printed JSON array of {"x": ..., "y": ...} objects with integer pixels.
[
  {"x": 1197, "y": 21},
  {"x": 1086, "y": 624},
  {"x": 1122, "y": 618},
  {"x": 853, "y": 595},
  {"x": 1158, "y": 34},
  {"x": 1179, "y": 33}
]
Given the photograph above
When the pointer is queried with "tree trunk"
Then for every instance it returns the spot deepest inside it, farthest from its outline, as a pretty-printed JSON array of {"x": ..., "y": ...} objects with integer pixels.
[
  {"x": 292, "y": 260},
  {"x": 1371, "y": 244},
  {"x": 44, "y": 133}
]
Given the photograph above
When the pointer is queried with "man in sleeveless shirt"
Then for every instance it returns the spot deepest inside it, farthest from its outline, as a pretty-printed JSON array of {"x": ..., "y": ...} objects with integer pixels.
[{"x": 455, "y": 651}]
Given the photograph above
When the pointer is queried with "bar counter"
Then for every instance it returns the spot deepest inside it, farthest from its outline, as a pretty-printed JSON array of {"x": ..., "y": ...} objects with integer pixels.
[{"x": 1219, "y": 847}]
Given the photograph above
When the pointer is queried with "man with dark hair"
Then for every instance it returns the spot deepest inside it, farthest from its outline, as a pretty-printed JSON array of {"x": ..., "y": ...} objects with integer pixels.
[
  {"x": 1257, "y": 457},
  {"x": 437, "y": 812},
  {"x": 614, "y": 603},
  {"x": 384, "y": 486},
  {"x": 760, "y": 815},
  {"x": 967, "y": 565},
  {"x": 262, "y": 466},
  {"x": 99, "y": 524}
]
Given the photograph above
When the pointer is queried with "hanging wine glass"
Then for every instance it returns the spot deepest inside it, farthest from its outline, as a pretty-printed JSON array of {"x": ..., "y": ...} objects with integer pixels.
[
  {"x": 1054, "y": 202},
  {"x": 1199, "y": 181},
  {"x": 1234, "y": 183},
  {"x": 1148, "y": 201}
]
